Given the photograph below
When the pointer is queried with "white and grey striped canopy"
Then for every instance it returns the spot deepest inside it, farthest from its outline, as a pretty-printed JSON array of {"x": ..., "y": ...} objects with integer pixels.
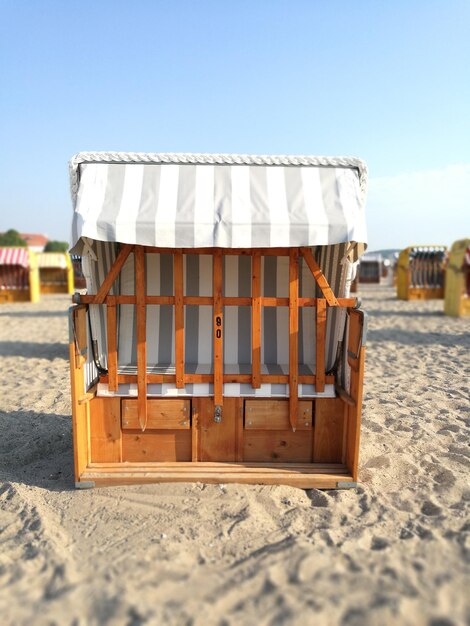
[{"x": 227, "y": 201}]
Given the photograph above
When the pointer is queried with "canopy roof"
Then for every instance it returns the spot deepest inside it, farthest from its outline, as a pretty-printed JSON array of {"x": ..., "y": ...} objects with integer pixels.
[
  {"x": 14, "y": 256},
  {"x": 52, "y": 259},
  {"x": 227, "y": 201}
]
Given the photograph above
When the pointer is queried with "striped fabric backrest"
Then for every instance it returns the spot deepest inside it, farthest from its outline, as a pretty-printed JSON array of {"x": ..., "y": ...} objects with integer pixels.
[{"x": 237, "y": 320}]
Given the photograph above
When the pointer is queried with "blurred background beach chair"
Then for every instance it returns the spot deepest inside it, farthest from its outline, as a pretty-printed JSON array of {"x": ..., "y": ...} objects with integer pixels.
[
  {"x": 421, "y": 273},
  {"x": 19, "y": 275},
  {"x": 457, "y": 288}
]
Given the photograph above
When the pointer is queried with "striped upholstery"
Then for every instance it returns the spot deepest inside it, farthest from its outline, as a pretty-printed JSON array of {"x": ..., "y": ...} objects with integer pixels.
[{"x": 237, "y": 320}]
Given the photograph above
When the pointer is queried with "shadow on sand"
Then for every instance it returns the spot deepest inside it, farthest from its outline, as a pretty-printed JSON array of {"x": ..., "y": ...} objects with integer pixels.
[
  {"x": 33, "y": 350},
  {"x": 413, "y": 338},
  {"x": 33, "y": 314},
  {"x": 36, "y": 449},
  {"x": 413, "y": 314}
]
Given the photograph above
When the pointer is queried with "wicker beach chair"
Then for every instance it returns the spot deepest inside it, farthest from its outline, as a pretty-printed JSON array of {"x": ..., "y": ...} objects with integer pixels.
[{"x": 217, "y": 340}]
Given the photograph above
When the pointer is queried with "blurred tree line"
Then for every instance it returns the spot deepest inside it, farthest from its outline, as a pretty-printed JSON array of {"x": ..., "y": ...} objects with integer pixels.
[{"x": 13, "y": 238}]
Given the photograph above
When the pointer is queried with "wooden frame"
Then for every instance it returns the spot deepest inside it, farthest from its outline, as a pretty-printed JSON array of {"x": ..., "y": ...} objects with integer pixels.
[{"x": 311, "y": 443}]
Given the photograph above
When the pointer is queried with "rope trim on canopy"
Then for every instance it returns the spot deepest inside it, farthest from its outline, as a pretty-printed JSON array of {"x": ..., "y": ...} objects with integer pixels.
[{"x": 211, "y": 159}]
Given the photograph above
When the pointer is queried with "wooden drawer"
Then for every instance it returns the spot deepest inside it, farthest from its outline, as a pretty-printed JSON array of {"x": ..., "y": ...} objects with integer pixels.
[
  {"x": 161, "y": 415},
  {"x": 156, "y": 445},
  {"x": 268, "y": 435},
  {"x": 274, "y": 415}
]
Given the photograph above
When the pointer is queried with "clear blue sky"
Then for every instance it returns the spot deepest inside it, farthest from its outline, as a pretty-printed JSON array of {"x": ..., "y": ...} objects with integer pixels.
[{"x": 386, "y": 81}]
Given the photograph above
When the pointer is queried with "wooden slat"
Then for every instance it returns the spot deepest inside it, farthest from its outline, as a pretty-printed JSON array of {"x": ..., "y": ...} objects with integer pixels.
[
  {"x": 293, "y": 336},
  {"x": 141, "y": 316},
  {"x": 215, "y": 466},
  {"x": 319, "y": 277},
  {"x": 305, "y": 379},
  {"x": 162, "y": 414},
  {"x": 179, "y": 318},
  {"x": 320, "y": 346},
  {"x": 275, "y": 415},
  {"x": 267, "y": 301},
  {"x": 218, "y": 328},
  {"x": 198, "y": 300},
  {"x": 112, "y": 274},
  {"x": 111, "y": 330},
  {"x": 197, "y": 473},
  {"x": 329, "y": 430},
  {"x": 236, "y": 301},
  {"x": 342, "y": 302},
  {"x": 256, "y": 320},
  {"x": 228, "y": 301}
]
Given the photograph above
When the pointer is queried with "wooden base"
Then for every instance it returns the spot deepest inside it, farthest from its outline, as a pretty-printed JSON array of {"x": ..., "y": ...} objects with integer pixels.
[
  {"x": 254, "y": 442},
  {"x": 304, "y": 476},
  {"x": 15, "y": 295},
  {"x": 311, "y": 442},
  {"x": 47, "y": 288},
  {"x": 418, "y": 293}
]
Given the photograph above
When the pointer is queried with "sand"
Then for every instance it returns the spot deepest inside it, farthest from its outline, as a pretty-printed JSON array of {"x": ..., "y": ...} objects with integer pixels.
[{"x": 393, "y": 551}]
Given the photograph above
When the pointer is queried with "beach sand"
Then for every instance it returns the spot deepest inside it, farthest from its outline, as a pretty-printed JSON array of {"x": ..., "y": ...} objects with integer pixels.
[{"x": 395, "y": 550}]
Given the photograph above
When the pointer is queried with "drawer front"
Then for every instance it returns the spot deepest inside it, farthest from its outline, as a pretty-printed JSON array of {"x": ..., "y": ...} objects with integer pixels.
[
  {"x": 161, "y": 415},
  {"x": 274, "y": 415}
]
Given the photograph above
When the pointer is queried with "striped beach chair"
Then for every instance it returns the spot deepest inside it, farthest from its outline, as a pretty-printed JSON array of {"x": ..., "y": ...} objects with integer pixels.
[
  {"x": 217, "y": 340},
  {"x": 55, "y": 272},
  {"x": 19, "y": 280},
  {"x": 457, "y": 282},
  {"x": 421, "y": 272}
]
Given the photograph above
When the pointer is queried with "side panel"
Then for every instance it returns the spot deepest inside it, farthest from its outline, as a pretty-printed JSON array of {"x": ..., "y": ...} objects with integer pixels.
[
  {"x": 105, "y": 430},
  {"x": 80, "y": 430},
  {"x": 329, "y": 430},
  {"x": 354, "y": 412}
]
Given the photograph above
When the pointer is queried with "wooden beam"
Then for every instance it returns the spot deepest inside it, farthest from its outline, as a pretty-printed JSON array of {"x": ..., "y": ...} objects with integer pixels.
[
  {"x": 293, "y": 336},
  {"x": 319, "y": 277},
  {"x": 320, "y": 347},
  {"x": 277, "y": 379},
  {"x": 111, "y": 330},
  {"x": 274, "y": 301},
  {"x": 218, "y": 328},
  {"x": 116, "y": 267},
  {"x": 141, "y": 316},
  {"x": 179, "y": 318},
  {"x": 342, "y": 302},
  {"x": 256, "y": 320}
]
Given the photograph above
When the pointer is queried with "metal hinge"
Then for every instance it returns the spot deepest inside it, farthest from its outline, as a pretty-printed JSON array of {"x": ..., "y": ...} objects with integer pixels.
[{"x": 217, "y": 414}]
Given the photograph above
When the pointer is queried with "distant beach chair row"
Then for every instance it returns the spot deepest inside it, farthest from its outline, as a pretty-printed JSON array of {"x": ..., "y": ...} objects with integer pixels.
[
  {"x": 434, "y": 272},
  {"x": 25, "y": 275},
  {"x": 423, "y": 272}
]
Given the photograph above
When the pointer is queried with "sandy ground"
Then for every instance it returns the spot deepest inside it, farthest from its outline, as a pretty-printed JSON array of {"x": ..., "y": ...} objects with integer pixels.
[{"x": 394, "y": 551}]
